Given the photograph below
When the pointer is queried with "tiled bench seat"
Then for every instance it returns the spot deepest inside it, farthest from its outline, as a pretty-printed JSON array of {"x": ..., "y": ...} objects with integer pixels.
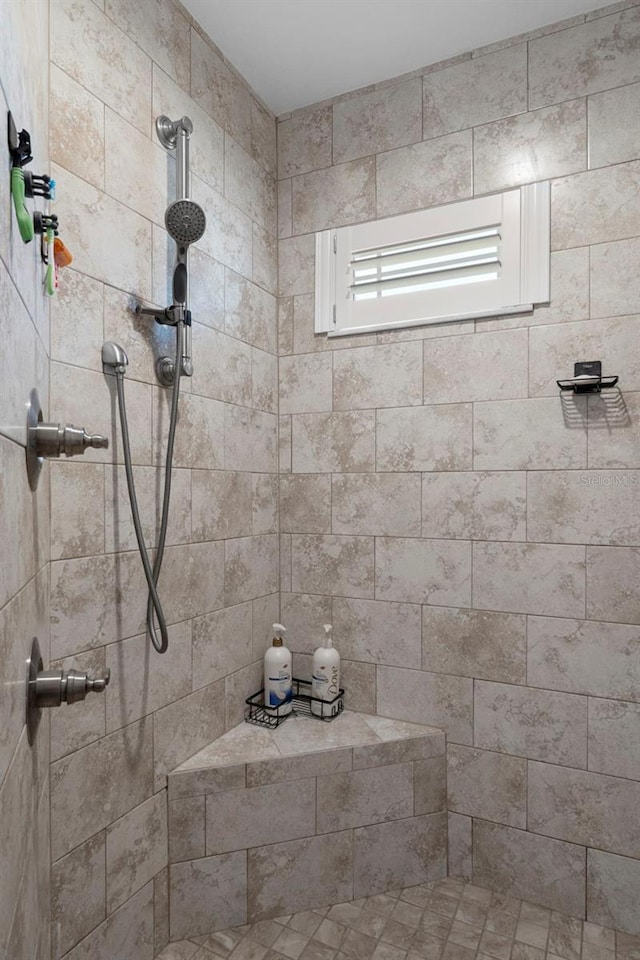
[{"x": 270, "y": 822}]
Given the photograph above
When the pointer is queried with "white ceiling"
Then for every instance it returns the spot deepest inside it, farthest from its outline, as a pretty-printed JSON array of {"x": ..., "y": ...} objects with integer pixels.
[{"x": 296, "y": 52}]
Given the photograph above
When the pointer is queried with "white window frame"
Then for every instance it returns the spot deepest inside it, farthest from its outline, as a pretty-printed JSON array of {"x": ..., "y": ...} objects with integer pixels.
[{"x": 522, "y": 216}]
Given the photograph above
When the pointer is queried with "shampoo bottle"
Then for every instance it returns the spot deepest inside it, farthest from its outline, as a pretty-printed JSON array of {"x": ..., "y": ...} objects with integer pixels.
[
  {"x": 277, "y": 675},
  {"x": 325, "y": 683}
]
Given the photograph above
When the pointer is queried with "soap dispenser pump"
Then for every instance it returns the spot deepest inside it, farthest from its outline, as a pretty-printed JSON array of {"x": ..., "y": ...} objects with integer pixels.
[
  {"x": 325, "y": 683},
  {"x": 277, "y": 675}
]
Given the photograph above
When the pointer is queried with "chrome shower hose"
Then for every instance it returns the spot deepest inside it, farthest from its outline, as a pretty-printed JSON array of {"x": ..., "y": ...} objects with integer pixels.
[{"x": 152, "y": 574}]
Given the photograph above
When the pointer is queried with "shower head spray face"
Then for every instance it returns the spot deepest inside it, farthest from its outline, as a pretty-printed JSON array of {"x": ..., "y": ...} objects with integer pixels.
[{"x": 185, "y": 221}]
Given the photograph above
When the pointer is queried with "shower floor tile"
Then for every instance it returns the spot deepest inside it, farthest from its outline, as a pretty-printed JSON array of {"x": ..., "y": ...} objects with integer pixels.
[{"x": 445, "y": 920}]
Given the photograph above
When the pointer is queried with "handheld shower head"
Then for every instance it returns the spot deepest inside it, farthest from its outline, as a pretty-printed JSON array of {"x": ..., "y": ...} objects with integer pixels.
[{"x": 185, "y": 221}]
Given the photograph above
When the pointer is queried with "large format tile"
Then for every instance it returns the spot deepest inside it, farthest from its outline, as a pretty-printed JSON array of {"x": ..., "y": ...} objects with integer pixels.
[
  {"x": 539, "y": 145},
  {"x": 208, "y": 894},
  {"x": 474, "y": 643},
  {"x": 451, "y": 367},
  {"x": 521, "y": 864},
  {"x": 387, "y": 375},
  {"x": 378, "y": 632},
  {"x": 336, "y": 565},
  {"x": 423, "y": 174},
  {"x": 614, "y": 738},
  {"x": 83, "y": 153},
  {"x": 121, "y": 766},
  {"x": 613, "y": 576},
  {"x": 388, "y": 855},
  {"x": 530, "y": 434},
  {"x": 305, "y": 503},
  {"x": 150, "y": 29},
  {"x": 249, "y": 312},
  {"x": 431, "y": 698},
  {"x": 614, "y": 125},
  {"x": 347, "y": 800},
  {"x": 596, "y": 206},
  {"x": 212, "y": 658},
  {"x": 221, "y": 504},
  {"x": 136, "y": 849},
  {"x": 377, "y": 120},
  {"x": 126, "y": 934},
  {"x": 539, "y": 724},
  {"x": 581, "y": 656},
  {"x": 304, "y": 142},
  {"x": 300, "y": 875},
  {"x": 475, "y": 91},
  {"x": 423, "y": 571},
  {"x": 247, "y": 818},
  {"x": 613, "y": 891},
  {"x": 333, "y": 442},
  {"x": 585, "y": 59},
  {"x": 536, "y": 578},
  {"x": 376, "y": 504},
  {"x": 436, "y": 437},
  {"x": 306, "y": 383},
  {"x": 219, "y": 90},
  {"x": 584, "y": 807},
  {"x": 72, "y": 729},
  {"x": 474, "y": 505},
  {"x": 77, "y": 894},
  {"x": 248, "y": 186},
  {"x": 487, "y": 785},
  {"x": 185, "y": 726},
  {"x": 615, "y": 289},
  {"x": 335, "y": 196}
]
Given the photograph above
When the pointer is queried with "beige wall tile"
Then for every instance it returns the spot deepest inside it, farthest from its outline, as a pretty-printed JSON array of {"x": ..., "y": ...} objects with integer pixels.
[
  {"x": 119, "y": 529},
  {"x": 570, "y": 655},
  {"x": 264, "y": 270},
  {"x": 451, "y": 367},
  {"x": 191, "y": 581},
  {"x": 247, "y": 818},
  {"x": 431, "y": 698},
  {"x": 184, "y": 727},
  {"x": 596, "y": 507},
  {"x": 136, "y": 169},
  {"x": 553, "y": 350},
  {"x": 546, "y": 143},
  {"x": 263, "y": 137},
  {"x": 223, "y": 370},
  {"x": 77, "y": 143},
  {"x": 265, "y": 503},
  {"x": 532, "y": 723},
  {"x": 76, "y": 321},
  {"x": 613, "y": 888},
  {"x": 487, "y": 785},
  {"x": 333, "y": 442},
  {"x": 459, "y": 856},
  {"x": 376, "y": 504},
  {"x": 250, "y": 312},
  {"x": 296, "y": 265},
  {"x": 221, "y": 504},
  {"x": 304, "y": 142},
  {"x": 595, "y": 207},
  {"x": 306, "y": 383},
  {"x": 200, "y": 438},
  {"x": 151, "y": 30},
  {"x": 77, "y": 894},
  {"x": 436, "y": 437},
  {"x": 430, "y": 785},
  {"x": 127, "y": 933},
  {"x": 250, "y": 568},
  {"x": 285, "y": 202},
  {"x": 250, "y": 439},
  {"x": 378, "y": 632},
  {"x": 214, "y": 655},
  {"x": 72, "y": 729},
  {"x": 136, "y": 849},
  {"x": 77, "y": 528},
  {"x": 613, "y": 584},
  {"x": 423, "y": 174},
  {"x": 198, "y": 781},
  {"x": 304, "y": 615},
  {"x": 262, "y": 772},
  {"x": 424, "y": 571},
  {"x": 614, "y": 122},
  {"x": 334, "y": 197},
  {"x": 614, "y": 744},
  {"x": 347, "y": 800},
  {"x": 284, "y": 445},
  {"x": 219, "y": 91},
  {"x": 474, "y": 643},
  {"x": 530, "y": 434},
  {"x": 141, "y": 681},
  {"x": 381, "y": 376},
  {"x": 584, "y": 59},
  {"x": 483, "y": 89},
  {"x": 88, "y": 46},
  {"x": 232, "y": 239},
  {"x": 208, "y": 894},
  {"x": 249, "y": 186},
  {"x": 81, "y": 805},
  {"x": 266, "y": 611},
  {"x": 376, "y": 121},
  {"x": 186, "y": 828},
  {"x": 522, "y": 864},
  {"x": 300, "y": 874},
  {"x": 615, "y": 287},
  {"x": 337, "y": 565},
  {"x": 305, "y": 503},
  {"x": 584, "y": 808},
  {"x": 474, "y": 506},
  {"x": 387, "y": 855}
]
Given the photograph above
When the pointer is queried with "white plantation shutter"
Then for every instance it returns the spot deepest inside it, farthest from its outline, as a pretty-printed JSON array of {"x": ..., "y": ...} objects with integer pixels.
[{"x": 475, "y": 258}]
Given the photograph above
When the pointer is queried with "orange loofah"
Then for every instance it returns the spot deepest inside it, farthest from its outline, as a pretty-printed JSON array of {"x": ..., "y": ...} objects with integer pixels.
[{"x": 61, "y": 254}]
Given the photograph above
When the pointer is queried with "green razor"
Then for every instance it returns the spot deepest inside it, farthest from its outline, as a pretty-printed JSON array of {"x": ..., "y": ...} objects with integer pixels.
[{"x": 25, "y": 220}]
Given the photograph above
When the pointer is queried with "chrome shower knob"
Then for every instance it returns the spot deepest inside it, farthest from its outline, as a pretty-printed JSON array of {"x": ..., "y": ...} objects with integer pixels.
[{"x": 54, "y": 440}]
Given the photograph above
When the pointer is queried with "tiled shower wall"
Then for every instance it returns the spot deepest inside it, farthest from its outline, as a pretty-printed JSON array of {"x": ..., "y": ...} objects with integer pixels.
[
  {"x": 114, "y": 67},
  {"x": 475, "y": 540},
  {"x": 24, "y": 516}
]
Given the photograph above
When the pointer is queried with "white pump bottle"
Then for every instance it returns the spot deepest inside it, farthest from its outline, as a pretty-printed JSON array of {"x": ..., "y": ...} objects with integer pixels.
[
  {"x": 277, "y": 675},
  {"x": 325, "y": 683}
]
